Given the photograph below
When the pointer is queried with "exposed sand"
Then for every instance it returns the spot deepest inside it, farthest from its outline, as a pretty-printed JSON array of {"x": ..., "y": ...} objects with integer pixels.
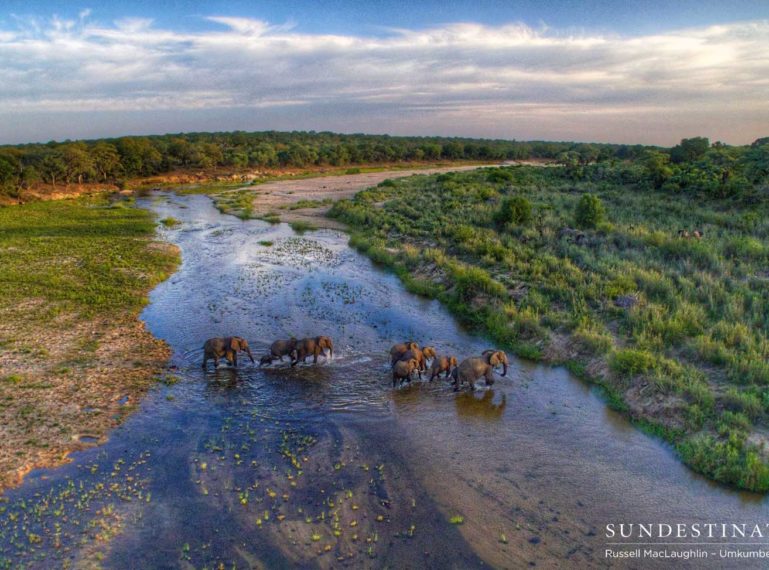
[
  {"x": 67, "y": 382},
  {"x": 279, "y": 195}
]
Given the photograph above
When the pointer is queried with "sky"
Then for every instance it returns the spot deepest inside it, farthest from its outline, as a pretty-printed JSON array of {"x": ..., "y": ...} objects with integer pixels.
[{"x": 632, "y": 71}]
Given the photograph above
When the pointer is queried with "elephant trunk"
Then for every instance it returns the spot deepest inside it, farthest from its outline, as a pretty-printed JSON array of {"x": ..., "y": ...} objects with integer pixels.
[
  {"x": 504, "y": 368},
  {"x": 248, "y": 352}
]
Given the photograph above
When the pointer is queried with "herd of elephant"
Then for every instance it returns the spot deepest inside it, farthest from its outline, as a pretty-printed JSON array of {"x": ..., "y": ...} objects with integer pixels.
[{"x": 406, "y": 358}]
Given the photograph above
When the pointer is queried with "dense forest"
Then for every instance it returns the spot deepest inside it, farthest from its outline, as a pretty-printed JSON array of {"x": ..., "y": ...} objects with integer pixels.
[{"x": 115, "y": 160}]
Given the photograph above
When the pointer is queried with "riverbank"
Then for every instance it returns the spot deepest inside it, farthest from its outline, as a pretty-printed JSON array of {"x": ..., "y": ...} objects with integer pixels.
[
  {"x": 656, "y": 318},
  {"x": 305, "y": 202},
  {"x": 74, "y": 359},
  {"x": 213, "y": 180}
]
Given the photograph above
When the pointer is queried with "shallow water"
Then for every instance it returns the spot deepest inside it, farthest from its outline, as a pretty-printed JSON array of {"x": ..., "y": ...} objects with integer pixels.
[{"x": 327, "y": 465}]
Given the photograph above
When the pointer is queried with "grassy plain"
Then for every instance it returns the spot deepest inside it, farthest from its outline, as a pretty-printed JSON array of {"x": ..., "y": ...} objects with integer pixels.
[
  {"x": 73, "y": 356},
  {"x": 674, "y": 328}
]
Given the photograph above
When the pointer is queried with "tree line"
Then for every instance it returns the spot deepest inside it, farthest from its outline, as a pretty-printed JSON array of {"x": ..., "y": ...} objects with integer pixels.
[
  {"x": 693, "y": 164},
  {"x": 115, "y": 160}
]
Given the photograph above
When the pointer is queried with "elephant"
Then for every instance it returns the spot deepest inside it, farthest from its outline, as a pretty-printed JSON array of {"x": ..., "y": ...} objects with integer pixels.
[
  {"x": 325, "y": 342},
  {"x": 421, "y": 356},
  {"x": 314, "y": 346},
  {"x": 495, "y": 358},
  {"x": 228, "y": 347},
  {"x": 472, "y": 369},
  {"x": 403, "y": 369},
  {"x": 399, "y": 350},
  {"x": 281, "y": 348},
  {"x": 442, "y": 364},
  {"x": 266, "y": 360}
]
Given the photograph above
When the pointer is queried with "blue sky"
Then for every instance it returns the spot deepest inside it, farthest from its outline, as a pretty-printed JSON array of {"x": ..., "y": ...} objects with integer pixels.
[
  {"x": 361, "y": 17},
  {"x": 629, "y": 71}
]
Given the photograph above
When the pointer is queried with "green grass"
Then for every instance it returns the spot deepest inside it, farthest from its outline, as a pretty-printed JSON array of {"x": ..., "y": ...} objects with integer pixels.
[
  {"x": 300, "y": 226},
  {"x": 696, "y": 333},
  {"x": 170, "y": 222},
  {"x": 79, "y": 255}
]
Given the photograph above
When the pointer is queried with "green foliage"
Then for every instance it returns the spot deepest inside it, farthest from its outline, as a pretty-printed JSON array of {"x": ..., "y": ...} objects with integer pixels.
[
  {"x": 694, "y": 334},
  {"x": 80, "y": 255},
  {"x": 300, "y": 226},
  {"x": 689, "y": 149},
  {"x": 590, "y": 212},
  {"x": 170, "y": 222},
  {"x": 731, "y": 461},
  {"x": 513, "y": 210},
  {"x": 629, "y": 362}
]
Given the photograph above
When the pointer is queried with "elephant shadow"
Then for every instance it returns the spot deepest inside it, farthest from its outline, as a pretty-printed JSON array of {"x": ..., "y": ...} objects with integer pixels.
[{"x": 468, "y": 405}]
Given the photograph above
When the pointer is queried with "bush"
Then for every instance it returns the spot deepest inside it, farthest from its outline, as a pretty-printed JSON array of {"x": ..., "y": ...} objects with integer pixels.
[
  {"x": 629, "y": 362},
  {"x": 514, "y": 210},
  {"x": 497, "y": 175},
  {"x": 590, "y": 212}
]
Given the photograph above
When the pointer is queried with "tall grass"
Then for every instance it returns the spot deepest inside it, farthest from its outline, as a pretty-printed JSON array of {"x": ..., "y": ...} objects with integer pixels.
[{"x": 687, "y": 317}]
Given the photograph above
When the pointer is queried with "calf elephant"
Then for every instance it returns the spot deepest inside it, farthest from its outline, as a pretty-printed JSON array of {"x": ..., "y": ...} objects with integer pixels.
[
  {"x": 215, "y": 348},
  {"x": 281, "y": 348},
  {"x": 473, "y": 369},
  {"x": 403, "y": 369},
  {"x": 495, "y": 358},
  {"x": 398, "y": 350},
  {"x": 442, "y": 364},
  {"x": 313, "y": 346},
  {"x": 421, "y": 356}
]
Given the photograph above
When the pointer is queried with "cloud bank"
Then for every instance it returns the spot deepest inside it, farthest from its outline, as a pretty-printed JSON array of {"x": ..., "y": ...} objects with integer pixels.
[{"x": 80, "y": 78}]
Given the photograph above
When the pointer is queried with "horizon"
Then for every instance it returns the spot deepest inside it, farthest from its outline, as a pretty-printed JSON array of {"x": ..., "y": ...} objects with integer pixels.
[
  {"x": 636, "y": 72},
  {"x": 352, "y": 134}
]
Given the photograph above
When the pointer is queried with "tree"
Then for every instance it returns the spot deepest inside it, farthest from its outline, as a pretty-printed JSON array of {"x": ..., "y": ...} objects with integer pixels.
[
  {"x": 689, "y": 150},
  {"x": 78, "y": 163},
  {"x": 514, "y": 210},
  {"x": 9, "y": 178},
  {"x": 657, "y": 168},
  {"x": 53, "y": 167},
  {"x": 590, "y": 212},
  {"x": 106, "y": 160}
]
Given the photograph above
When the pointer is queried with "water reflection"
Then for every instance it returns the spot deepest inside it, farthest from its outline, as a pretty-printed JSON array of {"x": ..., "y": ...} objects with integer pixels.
[{"x": 489, "y": 406}]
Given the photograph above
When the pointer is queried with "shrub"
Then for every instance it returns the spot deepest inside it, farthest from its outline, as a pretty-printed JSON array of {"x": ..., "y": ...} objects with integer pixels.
[
  {"x": 590, "y": 212},
  {"x": 471, "y": 281},
  {"x": 513, "y": 210},
  {"x": 499, "y": 175},
  {"x": 629, "y": 362}
]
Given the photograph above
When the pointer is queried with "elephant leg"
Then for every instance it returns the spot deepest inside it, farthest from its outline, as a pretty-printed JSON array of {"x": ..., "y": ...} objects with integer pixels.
[
  {"x": 489, "y": 377},
  {"x": 395, "y": 380},
  {"x": 432, "y": 375},
  {"x": 315, "y": 356},
  {"x": 235, "y": 359}
]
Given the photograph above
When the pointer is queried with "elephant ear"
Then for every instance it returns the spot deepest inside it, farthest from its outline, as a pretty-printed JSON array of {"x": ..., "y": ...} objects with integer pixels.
[{"x": 235, "y": 343}]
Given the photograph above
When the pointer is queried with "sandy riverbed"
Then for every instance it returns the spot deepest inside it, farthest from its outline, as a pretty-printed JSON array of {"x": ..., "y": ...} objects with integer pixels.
[{"x": 278, "y": 196}]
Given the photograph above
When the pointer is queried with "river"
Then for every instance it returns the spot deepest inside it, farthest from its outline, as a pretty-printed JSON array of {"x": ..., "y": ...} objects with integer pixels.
[{"x": 327, "y": 465}]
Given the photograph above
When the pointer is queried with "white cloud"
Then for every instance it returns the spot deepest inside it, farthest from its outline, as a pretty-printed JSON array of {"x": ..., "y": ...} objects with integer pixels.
[{"x": 510, "y": 80}]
